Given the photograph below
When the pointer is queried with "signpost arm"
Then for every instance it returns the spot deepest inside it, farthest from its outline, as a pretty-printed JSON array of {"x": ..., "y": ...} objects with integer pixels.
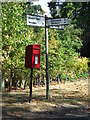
[
  {"x": 30, "y": 96},
  {"x": 47, "y": 68}
]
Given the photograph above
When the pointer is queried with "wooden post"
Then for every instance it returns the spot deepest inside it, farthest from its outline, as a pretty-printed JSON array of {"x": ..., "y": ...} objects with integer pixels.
[{"x": 25, "y": 83}]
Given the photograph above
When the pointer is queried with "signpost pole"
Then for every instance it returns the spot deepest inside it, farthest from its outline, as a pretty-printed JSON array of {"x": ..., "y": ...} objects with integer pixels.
[
  {"x": 30, "y": 96},
  {"x": 47, "y": 68},
  {"x": 42, "y": 22}
]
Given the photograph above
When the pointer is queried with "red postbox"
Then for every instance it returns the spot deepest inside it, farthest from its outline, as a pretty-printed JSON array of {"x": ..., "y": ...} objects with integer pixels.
[{"x": 32, "y": 56}]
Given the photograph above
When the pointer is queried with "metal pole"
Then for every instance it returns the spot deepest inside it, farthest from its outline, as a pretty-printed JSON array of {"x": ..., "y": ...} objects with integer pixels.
[
  {"x": 57, "y": 8},
  {"x": 47, "y": 68},
  {"x": 30, "y": 96}
]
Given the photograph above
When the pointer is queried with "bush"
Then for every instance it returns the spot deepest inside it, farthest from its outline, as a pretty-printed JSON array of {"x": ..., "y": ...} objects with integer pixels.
[
  {"x": 79, "y": 69},
  {"x": 81, "y": 65}
]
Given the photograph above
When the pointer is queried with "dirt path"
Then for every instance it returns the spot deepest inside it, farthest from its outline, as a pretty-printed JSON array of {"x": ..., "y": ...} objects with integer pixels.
[{"x": 67, "y": 99}]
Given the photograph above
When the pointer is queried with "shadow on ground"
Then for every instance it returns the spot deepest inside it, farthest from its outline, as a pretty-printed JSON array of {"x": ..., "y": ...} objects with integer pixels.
[{"x": 17, "y": 106}]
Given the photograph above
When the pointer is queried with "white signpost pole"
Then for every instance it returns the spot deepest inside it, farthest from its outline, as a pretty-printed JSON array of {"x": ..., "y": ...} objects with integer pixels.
[{"x": 47, "y": 66}]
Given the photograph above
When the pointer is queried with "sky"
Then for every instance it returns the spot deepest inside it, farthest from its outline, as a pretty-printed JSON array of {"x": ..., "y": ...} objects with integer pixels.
[{"x": 44, "y": 5}]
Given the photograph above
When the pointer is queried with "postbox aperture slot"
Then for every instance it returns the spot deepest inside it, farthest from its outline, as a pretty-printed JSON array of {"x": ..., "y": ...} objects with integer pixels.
[{"x": 37, "y": 48}]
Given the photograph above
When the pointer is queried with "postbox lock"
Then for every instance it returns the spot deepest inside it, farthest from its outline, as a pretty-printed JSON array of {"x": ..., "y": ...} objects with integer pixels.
[{"x": 36, "y": 60}]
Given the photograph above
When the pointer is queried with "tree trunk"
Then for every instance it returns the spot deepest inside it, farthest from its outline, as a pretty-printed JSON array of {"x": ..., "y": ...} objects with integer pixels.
[{"x": 3, "y": 81}]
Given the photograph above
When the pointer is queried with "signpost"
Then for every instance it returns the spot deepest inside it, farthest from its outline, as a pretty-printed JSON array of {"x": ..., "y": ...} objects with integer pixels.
[
  {"x": 61, "y": 27},
  {"x": 46, "y": 22},
  {"x": 57, "y": 21},
  {"x": 35, "y": 21}
]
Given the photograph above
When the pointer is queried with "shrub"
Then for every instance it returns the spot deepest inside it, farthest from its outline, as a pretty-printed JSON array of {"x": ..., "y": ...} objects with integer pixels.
[{"x": 81, "y": 65}]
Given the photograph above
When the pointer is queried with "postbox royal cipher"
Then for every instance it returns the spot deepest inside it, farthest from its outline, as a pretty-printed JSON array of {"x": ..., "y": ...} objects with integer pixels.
[{"x": 32, "y": 56}]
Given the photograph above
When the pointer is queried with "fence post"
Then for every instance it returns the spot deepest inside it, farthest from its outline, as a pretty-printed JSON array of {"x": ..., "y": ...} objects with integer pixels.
[
  {"x": 66, "y": 76},
  {"x": 9, "y": 85},
  {"x": 36, "y": 80},
  {"x": 25, "y": 83},
  {"x": 50, "y": 79},
  {"x": 16, "y": 85},
  {"x": 58, "y": 79},
  {"x": 39, "y": 82}
]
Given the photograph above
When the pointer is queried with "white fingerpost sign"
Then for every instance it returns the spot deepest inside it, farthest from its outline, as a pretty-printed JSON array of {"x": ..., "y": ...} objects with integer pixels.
[
  {"x": 57, "y": 21},
  {"x": 61, "y": 27},
  {"x": 35, "y": 21}
]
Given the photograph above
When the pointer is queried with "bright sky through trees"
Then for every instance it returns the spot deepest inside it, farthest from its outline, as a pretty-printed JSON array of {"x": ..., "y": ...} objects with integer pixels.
[{"x": 44, "y": 5}]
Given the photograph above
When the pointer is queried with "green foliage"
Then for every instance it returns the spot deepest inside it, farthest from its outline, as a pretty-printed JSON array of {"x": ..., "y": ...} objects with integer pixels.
[
  {"x": 70, "y": 39},
  {"x": 81, "y": 65},
  {"x": 79, "y": 15},
  {"x": 64, "y": 45},
  {"x": 16, "y": 35},
  {"x": 62, "y": 50}
]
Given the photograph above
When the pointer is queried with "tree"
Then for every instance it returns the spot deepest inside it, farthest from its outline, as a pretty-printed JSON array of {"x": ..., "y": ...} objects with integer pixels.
[
  {"x": 71, "y": 38},
  {"x": 16, "y": 35},
  {"x": 79, "y": 13}
]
